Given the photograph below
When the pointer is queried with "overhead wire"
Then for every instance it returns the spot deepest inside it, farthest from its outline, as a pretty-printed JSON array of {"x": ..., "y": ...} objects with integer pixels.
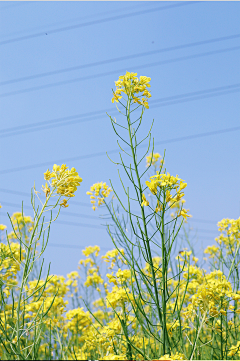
[
  {"x": 68, "y": 28},
  {"x": 62, "y": 222},
  {"x": 127, "y": 57},
  {"x": 74, "y": 119},
  {"x": 71, "y": 20},
  {"x": 73, "y": 214},
  {"x": 95, "y": 22},
  {"x": 117, "y": 71},
  {"x": 114, "y": 151},
  {"x": 24, "y": 194}
]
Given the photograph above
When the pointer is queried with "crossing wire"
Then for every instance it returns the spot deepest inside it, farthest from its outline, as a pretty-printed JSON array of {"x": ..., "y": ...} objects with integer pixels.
[
  {"x": 166, "y": 101},
  {"x": 118, "y": 71},
  {"x": 83, "y": 224},
  {"x": 24, "y": 194},
  {"x": 122, "y": 58},
  {"x": 114, "y": 151},
  {"x": 95, "y": 22}
]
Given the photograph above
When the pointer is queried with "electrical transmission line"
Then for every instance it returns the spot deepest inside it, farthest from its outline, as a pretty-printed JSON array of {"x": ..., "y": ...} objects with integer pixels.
[
  {"x": 117, "y": 71},
  {"x": 122, "y": 58},
  {"x": 74, "y": 119},
  {"x": 114, "y": 151},
  {"x": 73, "y": 214},
  {"x": 95, "y": 22},
  {"x": 74, "y": 203}
]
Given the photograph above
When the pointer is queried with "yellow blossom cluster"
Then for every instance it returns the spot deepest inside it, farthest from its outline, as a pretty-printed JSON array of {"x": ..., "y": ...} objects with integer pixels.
[
  {"x": 2, "y": 227},
  {"x": 93, "y": 278},
  {"x": 113, "y": 256},
  {"x": 118, "y": 296},
  {"x": 77, "y": 319},
  {"x": 21, "y": 224},
  {"x": 99, "y": 334},
  {"x": 121, "y": 276},
  {"x": 230, "y": 233},
  {"x": 213, "y": 251},
  {"x": 91, "y": 250},
  {"x": 64, "y": 180},
  {"x": 10, "y": 265},
  {"x": 234, "y": 350},
  {"x": 167, "y": 183},
  {"x": 154, "y": 157},
  {"x": 100, "y": 191},
  {"x": 165, "y": 180},
  {"x": 134, "y": 88}
]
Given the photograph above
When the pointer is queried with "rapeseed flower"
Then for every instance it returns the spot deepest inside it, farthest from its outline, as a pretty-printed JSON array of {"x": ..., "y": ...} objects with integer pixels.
[
  {"x": 168, "y": 183},
  {"x": 63, "y": 180},
  {"x": 100, "y": 191},
  {"x": 134, "y": 88},
  {"x": 144, "y": 201},
  {"x": 154, "y": 157}
]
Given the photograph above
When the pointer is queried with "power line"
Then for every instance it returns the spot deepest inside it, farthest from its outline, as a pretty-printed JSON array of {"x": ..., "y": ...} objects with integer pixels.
[
  {"x": 47, "y": 122},
  {"x": 108, "y": 61},
  {"x": 107, "y": 249},
  {"x": 114, "y": 151},
  {"x": 74, "y": 119},
  {"x": 25, "y": 194},
  {"x": 67, "y": 213},
  {"x": 86, "y": 225},
  {"x": 62, "y": 222},
  {"x": 58, "y": 23},
  {"x": 94, "y": 22},
  {"x": 88, "y": 77}
]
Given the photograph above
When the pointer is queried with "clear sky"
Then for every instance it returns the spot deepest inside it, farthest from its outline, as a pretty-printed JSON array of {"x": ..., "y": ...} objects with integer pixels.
[{"x": 58, "y": 64}]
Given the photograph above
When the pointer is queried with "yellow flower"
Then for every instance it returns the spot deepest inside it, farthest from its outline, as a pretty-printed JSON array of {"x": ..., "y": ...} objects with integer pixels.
[
  {"x": 90, "y": 250},
  {"x": 100, "y": 191},
  {"x": 144, "y": 201},
  {"x": 46, "y": 189},
  {"x": 184, "y": 214},
  {"x": 64, "y": 203},
  {"x": 2, "y": 227},
  {"x": 132, "y": 87},
  {"x": 154, "y": 157},
  {"x": 159, "y": 207},
  {"x": 168, "y": 196},
  {"x": 62, "y": 179}
]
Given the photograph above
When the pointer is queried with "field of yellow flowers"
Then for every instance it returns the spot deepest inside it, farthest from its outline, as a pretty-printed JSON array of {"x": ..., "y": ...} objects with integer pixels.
[{"x": 142, "y": 300}]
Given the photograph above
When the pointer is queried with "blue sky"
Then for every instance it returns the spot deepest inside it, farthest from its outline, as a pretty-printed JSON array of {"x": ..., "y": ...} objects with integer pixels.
[{"x": 191, "y": 52}]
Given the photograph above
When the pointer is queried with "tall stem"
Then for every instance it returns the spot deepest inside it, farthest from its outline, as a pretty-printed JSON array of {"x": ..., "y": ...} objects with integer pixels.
[
  {"x": 146, "y": 241},
  {"x": 164, "y": 285},
  {"x": 25, "y": 270}
]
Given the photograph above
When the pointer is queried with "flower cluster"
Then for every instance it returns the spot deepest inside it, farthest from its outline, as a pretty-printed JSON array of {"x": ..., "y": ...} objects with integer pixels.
[
  {"x": 230, "y": 233},
  {"x": 154, "y": 157},
  {"x": 2, "y": 227},
  {"x": 100, "y": 191},
  {"x": 214, "y": 291},
  {"x": 134, "y": 88},
  {"x": 22, "y": 225},
  {"x": 63, "y": 180},
  {"x": 167, "y": 183},
  {"x": 99, "y": 334}
]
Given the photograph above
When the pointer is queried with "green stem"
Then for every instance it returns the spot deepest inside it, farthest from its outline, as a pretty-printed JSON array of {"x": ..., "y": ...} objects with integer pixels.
[
  {"x": 25, "y": 271},
  {"x": 146, "y": 242}
]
